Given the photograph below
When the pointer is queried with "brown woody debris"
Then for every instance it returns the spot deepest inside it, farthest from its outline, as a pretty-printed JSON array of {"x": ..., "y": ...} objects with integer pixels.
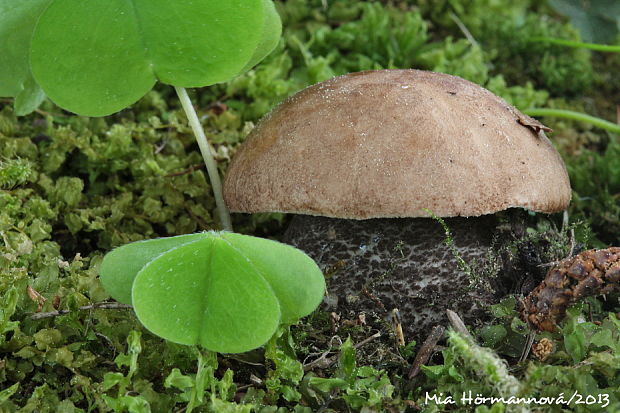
[
  {"x": 398, "y": 327},
  {"x": 426, "y": 351},
  {"x": 593, "y": 272},
  {"x": 334, "y": 318}
]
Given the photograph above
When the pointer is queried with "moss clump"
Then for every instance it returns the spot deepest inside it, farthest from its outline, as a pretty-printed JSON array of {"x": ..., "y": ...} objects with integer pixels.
[{"x": 14, "y": 172}]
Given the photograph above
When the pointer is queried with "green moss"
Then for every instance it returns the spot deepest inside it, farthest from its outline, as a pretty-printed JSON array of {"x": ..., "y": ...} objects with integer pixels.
[
  {"x": 15, "y": 172},
  {"x": 595, "y": 177},
  {"x": 71, "y": 188}
]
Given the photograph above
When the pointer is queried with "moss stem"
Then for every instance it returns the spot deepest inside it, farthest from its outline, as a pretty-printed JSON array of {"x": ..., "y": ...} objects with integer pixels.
[{"x": 207, "y": 155}]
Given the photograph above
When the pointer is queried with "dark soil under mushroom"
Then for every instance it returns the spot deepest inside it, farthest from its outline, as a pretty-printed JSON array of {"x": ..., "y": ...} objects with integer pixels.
[{"x": 376, "y": 265}]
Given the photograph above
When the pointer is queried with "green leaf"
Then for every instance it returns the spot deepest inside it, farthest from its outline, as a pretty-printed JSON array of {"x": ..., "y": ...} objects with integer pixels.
[
  {"x": 505, "y": 308},
  {"x": 575, "y": 344},
  {"x": 207, "y": 364},
  {"x": 8, "y": 392},
  {"x": 112, "y": 379},
  {"x": 120, "y": 266},
  {"x": 597, "y": 21},
  {"x": 434, "y": 372},
  {"x": 454, "y": 373},
  {"x": 290, "y": 394},
  {"x": 272, "y": 30},
  {"x": 408, "y": 350},
  {"x": 135, "y": 404},
  {"x": 9, "y": 304},
  {"x": 17, "y": 21},
  {"x": 280, "y": 352},
  {"x": 224, "y": 291},
  {"x": 518, "y": 326},
  {"x": 604, "y": 338},
  {"x": 206, "y": 293},
  {"x": 327, "y": 384},
  {"x": 178, "y": 380},
  {"x": 299, "y": 294},
  {"x": 95, "y": 58},
  {"x": 226, "y": 386},
  {"x": 346, "y": 361},
  {"x": 493, "y": 335},
  {"x": 29, "y": 98}
]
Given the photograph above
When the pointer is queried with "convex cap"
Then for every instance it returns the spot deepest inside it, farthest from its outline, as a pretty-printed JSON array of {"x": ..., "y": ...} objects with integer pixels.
[{"x": 392, "y": 143}]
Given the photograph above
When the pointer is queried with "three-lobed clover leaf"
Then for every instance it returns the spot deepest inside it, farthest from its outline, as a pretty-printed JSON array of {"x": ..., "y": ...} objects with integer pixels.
[
  {"x": 225, "y": 291},
  {"x": 97, "y": 57}
]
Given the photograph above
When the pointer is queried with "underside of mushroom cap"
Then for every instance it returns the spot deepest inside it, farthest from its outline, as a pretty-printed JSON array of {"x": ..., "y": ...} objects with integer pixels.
[{"x": 396, "y": 143}]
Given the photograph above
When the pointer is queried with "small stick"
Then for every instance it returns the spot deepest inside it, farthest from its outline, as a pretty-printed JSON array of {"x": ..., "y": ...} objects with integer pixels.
[
  {"x": 107, "y": 306},
  {"x": 573, "y": 243},
  {"x": 186, "y": 171},
  {"x": 398, "y": 328},
  {"x": 427, "y": 350},
  {"x": 251, "y": 363},
  {"x": 324, "y": 353},
  {"x": 463, "y": 29},
  {"x": 458, "y": 324},
  {"x": 373, "y": 298},
  {"x": 160, "y": 148},
  {"x": 528, "y": 346},
  {"x": 44, "y": 113},
  {"x": 324, "y": 362}
]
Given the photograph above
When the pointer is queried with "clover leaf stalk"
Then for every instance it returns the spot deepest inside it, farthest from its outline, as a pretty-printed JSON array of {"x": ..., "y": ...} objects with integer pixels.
[
  {"x": 207, "y": 155},
  {"x": 579, "y": 45},
  {"x": 572, "y": 115}
]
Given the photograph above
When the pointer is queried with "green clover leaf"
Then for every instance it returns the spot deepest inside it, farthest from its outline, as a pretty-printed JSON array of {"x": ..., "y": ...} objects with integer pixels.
[
  {"x": 17, "y": 21},
  {"x": 121, "y": 265},
  {"x": 97, "y": 57},
  {"x": 225, "y": 291}
]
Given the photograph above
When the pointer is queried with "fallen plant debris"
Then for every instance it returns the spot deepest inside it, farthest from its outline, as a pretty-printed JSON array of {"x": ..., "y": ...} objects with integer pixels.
[
  {"x": 427, "y": 350},
  {"x": 325, "y": 362},
  {"x": 590, "y": 273},
  {"x": 543, "y": 349},
  {"x": 105, "y": 305}
]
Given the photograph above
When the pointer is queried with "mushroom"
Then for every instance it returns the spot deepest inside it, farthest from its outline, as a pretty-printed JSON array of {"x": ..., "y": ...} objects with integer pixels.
[{"x": 363, "y": 158}]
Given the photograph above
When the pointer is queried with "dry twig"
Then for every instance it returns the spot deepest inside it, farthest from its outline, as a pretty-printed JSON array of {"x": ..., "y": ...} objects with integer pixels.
[
  {"x": 457, "y": 323},
  {"x": 324, "y": 362},
  {"x": 107, "y": 306},
  {"x": 528, "y": 346},
  {"x": 186, "y": 171},
  {"x": 427, "y": 350}
]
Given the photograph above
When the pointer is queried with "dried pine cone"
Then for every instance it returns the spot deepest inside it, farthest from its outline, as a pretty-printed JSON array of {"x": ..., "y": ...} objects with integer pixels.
[{"x": 593, "y": 272}]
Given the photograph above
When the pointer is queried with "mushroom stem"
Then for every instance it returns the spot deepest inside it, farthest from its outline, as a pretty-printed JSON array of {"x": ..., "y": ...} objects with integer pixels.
[
  {"x": 207, "y": 155},
  {"x": 374, "y": 265}
]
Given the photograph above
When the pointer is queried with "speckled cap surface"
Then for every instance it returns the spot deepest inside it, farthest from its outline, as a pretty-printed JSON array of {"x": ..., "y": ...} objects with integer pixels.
[{"x": 392, "y": 143}]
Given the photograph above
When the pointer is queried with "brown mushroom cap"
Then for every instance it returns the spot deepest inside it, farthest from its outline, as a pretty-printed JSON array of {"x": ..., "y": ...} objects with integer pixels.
[{"x": 392, "y": 143}]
